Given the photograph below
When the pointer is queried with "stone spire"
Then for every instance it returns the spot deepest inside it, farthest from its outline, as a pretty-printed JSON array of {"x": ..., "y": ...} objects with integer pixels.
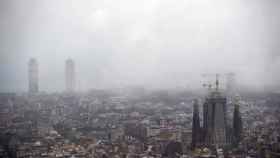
[
  {"x": 237, "y": 123},
  {"x": 195, "y": 125}
]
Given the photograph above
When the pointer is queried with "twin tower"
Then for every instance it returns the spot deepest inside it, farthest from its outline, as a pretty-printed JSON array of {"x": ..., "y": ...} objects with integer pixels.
[{"x": 33, "y": 76}]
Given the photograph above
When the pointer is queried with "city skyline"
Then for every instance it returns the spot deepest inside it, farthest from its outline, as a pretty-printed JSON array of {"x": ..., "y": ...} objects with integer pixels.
[
  {"x": 229, "y": 80},
  {"x": 139, "y": 79}
]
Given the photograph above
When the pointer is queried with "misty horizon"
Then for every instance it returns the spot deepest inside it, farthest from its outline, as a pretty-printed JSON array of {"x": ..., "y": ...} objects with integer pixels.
[{"x": 153, "y": 44}]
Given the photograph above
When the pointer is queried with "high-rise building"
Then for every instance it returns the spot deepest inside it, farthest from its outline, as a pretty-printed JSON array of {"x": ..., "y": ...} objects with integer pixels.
[
  {"x": 214, "y": 118},
  {"x": 70, "y": 79},
  {"x": 33, "y": 76},
  {"x": 196, "y": 136},
  {"x": 237, "y": 123}
]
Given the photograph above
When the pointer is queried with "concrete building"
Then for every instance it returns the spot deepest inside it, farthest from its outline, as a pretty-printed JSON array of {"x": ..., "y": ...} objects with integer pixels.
[
  {"x": 70, "y": 78},
  {"x": 33, "y": 76}
]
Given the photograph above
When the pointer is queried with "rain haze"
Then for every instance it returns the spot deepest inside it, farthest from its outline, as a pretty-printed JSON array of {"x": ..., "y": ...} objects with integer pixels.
[{"x": 150, "y": 43}]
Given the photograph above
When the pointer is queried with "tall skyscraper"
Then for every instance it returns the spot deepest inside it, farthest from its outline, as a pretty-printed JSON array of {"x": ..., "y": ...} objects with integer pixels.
[
  {"x": 196, "y": 134},
  {"x": 237, "y": 123},
  {"x": 214, "y": 118},
  {"x": 70, "y": 79},
  {"x": 33, "y": 76}
]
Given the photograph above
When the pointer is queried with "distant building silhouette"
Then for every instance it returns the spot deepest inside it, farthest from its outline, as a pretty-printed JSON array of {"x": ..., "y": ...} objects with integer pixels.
[
  {"x": 215, "y": 131},
  {"x": 237, "y": 124},
  {"x": 214, "y": 118},
  {"x": 70, "y": 78},
  {"x": 196, "y": 134},
  {"x": 33, "y": 76}
]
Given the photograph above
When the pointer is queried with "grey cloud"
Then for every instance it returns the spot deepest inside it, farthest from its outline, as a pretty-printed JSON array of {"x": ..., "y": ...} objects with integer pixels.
[{"x": 154, "y": 43}]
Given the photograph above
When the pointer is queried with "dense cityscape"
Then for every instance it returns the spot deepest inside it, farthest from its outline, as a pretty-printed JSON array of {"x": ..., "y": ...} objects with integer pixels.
[{"x": 136, "y": 122}]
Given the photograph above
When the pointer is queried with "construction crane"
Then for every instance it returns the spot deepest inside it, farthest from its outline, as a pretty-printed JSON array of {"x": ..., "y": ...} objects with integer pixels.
[
  {"x": 209, "y": 85},
  {"x": 230, "y": 79}
]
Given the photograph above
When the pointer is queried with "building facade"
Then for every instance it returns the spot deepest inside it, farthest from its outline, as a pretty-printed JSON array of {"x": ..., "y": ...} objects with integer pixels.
[
  {"x": 214, "y": 119},
  {"x": 214, "y": 130}
]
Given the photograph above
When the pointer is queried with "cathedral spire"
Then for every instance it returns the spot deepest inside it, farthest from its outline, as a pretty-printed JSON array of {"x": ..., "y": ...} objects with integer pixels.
[
  {"x": 195, "y": 125},
  {"x": 237, "y": 123}
]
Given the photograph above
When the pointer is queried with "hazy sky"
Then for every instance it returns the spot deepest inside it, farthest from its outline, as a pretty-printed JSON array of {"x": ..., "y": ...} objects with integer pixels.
[{"x": 154, "y": 43}]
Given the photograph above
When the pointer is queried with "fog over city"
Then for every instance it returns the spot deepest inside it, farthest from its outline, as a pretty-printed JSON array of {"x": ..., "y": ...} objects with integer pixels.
[{"x": 150, "y": 43}]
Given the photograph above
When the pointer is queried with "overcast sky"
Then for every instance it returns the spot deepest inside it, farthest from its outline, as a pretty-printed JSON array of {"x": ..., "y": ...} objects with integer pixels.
[{"x": 152, "y": 43}]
